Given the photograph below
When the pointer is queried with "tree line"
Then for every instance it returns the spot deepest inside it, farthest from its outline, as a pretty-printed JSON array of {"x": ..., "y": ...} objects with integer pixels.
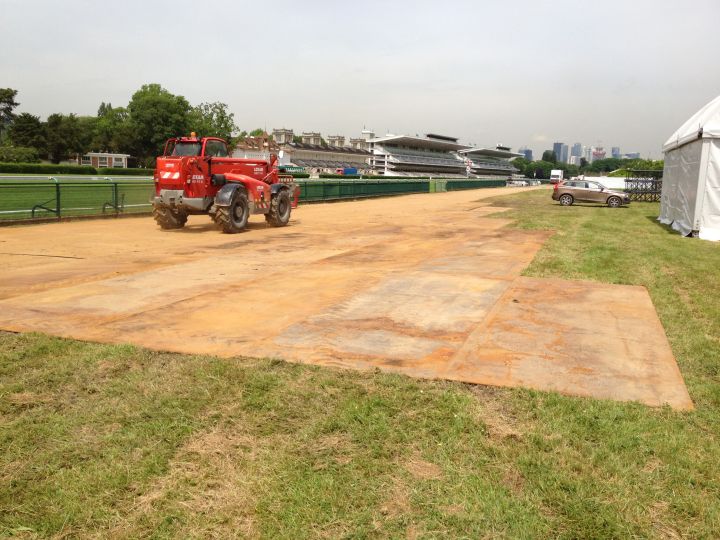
[
  {"x": 139, "y": 129},
  {"x": 541, "y": 169}
]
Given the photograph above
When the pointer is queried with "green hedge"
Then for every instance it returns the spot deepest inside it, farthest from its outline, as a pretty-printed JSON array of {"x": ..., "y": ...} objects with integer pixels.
[
  {"x": 45, "y": 168},
  {"x": 383, "y": 177},
  {"x": 18, "y": 154},
  {"x": 117, "y": 171},
  {"x": 49, "y": 169},
  {"x": 332, "y": 175},
  {"x": 299, "y": 174}
]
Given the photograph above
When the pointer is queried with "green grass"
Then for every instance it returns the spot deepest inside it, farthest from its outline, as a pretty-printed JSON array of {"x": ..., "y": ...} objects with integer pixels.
[{"x": 117, "y": 441}]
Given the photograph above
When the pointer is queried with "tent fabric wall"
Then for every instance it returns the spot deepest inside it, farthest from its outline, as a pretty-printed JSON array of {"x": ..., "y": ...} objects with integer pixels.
[
  {"x": 680, "y": 185},
  {"x": 690, "y": 200},
  {"x": 710, "y": 214}
]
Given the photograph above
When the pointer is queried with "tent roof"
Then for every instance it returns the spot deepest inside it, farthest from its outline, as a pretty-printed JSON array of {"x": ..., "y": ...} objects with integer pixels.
[{"x": 704, "y": 123}]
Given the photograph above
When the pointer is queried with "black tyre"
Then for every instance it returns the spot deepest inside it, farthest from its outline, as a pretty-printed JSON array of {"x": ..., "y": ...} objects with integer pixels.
[
  {"x": 233, "y": 219},
  {"x": 169, "y": 219},
  {"x": 280, "y": 208},
  {"x": 614, "y": 202},
  {"x": 566, "y": 199}
]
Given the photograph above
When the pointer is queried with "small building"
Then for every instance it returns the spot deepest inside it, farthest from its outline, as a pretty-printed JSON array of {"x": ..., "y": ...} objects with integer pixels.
[
  {"x": 104, "y": 160},
  {"x": 259, "y": 147},
  {"x": 311, "y": 137},
  {"x": 336, "y": 140},
  {"x": 283, "y": 136}
]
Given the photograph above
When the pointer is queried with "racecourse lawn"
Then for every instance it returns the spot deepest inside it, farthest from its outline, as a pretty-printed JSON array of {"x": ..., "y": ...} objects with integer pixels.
[{"x": 118, "y": 441}]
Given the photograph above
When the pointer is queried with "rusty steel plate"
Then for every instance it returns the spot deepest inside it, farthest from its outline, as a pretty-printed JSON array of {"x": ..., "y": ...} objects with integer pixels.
[{"x": 425, "y": 285}]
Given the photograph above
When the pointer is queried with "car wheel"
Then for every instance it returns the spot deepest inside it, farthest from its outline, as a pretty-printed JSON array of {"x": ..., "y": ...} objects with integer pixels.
[
  {"x": 614, "y": 202},
  {"x": 566, "y": 199}
]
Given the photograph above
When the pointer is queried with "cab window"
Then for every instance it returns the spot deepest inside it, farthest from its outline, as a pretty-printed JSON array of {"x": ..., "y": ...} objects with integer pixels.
[
  {"x": 182, "y": 148},
  {"x": 215, "y": 149}
]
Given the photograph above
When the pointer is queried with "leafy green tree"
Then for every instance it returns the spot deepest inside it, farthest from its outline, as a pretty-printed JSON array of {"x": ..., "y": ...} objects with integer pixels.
[
  {"x": 113, "y": 132},
  {"x": 539, "y": 169},
  {"x": 571, "y": 170},
  {"x": 297, "y": 139},
  {"x": 257, "y": 132},
  {"x": 18, "y": 154},
  {"x": 213, "y": 120},
  {"x": 27, "y": 130},
  {"x": 7, "y": 106},
  {"x": 605, "y": 165},
  {"x": 87, "y": 126},
  {"x": 549, "y": 156},
  {"x": 155, "y": 116},
  {"x": 520, "y": 164},
  {"x": 63, "y": 134},
  {"x": 104, "y": 109},
  {"x": 583, "y": 163}
]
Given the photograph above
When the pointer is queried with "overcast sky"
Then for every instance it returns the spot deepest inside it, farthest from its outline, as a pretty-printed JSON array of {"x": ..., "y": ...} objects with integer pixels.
[{"x": 524, "y": 72}]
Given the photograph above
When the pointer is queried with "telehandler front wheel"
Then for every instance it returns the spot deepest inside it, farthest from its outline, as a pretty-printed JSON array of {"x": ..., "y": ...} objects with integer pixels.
[
  {"x": 169, "y": 219},
  {"x": 280, "y": 208},
  {"x": 233, "y": 219}
]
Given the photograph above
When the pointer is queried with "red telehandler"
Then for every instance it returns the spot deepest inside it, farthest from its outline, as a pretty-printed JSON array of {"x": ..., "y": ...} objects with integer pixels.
[{"x": 196, "y": 175}]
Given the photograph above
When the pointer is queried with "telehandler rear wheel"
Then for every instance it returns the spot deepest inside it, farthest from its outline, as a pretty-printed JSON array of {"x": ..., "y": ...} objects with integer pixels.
[
  {"x": 168, "y": 219},
  {"x": 233, "y": 219},
  {"x": 280, "y": 207}
]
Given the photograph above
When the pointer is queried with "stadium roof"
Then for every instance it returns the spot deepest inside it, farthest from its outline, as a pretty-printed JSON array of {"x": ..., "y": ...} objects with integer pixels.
[
  {"x": 328, "y": 148},
  {"x": 441, "y": 137},
  {"x": 420, "y": 142},
  {"x": 489, "y": 152}
]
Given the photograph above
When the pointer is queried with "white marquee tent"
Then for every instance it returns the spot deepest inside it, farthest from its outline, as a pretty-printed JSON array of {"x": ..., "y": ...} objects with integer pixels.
[{"x": 690, "y": 201}]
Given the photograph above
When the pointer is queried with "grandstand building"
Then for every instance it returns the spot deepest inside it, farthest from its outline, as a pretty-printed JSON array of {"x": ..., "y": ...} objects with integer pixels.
[
  {"x": 437, "y": 155},
  {"x": 489, "y": 161},
  {"x": 322, "y": 158},
  {"x": 403, "y": 155}
]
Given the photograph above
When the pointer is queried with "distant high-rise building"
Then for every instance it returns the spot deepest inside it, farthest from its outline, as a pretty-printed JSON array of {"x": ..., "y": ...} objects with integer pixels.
[
  {"x": 598, "y": 152},
  {"x": 557, "y": 148},
  {"x": 615, "y": 152},
  {"x": 575, "y": 160},
  {"x": 527, "y": 152},
  {"x": 576, "y": 150},
  {"x": 587, "y": 154},
  {"x": 563, "y": 157}
]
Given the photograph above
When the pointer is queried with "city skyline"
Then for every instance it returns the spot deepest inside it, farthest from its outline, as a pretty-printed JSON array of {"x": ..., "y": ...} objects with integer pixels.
[{"x": 421, "y": 67}]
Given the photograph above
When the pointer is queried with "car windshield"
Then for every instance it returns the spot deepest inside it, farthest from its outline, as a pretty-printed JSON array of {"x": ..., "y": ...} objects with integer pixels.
[{"x": 185, "y": 149}]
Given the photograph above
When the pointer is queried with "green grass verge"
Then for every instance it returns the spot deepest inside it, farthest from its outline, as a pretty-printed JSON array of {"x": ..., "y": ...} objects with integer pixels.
[{"x": 117, "y": 441}]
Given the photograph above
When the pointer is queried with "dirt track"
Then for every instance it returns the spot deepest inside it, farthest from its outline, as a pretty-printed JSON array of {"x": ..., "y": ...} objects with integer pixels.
[{"x": 426, "y": 285}]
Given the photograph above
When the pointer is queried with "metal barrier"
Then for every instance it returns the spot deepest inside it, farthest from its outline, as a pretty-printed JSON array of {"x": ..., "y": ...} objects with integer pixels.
[
  {"x": 41, "y": 198},
  {"x": 643, "y": 185},
  {"x": 28, "y": 198}
]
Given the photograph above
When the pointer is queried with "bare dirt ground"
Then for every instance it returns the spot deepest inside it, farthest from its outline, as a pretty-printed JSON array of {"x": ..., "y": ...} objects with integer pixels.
[{"x": 427, "y": 285}]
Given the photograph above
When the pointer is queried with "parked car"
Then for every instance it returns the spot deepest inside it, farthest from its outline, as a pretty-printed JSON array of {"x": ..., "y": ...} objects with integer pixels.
[{"x": 571, "y": 191}]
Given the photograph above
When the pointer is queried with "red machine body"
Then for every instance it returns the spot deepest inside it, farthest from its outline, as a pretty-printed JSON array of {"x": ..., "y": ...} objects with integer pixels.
[{"x": 198, "y": 176}]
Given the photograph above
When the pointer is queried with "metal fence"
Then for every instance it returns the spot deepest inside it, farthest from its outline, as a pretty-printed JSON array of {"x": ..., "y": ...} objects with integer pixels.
[
  {"x": 38, "y": 197},
  {"x": 28, "y": 198},
  {"x": 643, "y": 185}
]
